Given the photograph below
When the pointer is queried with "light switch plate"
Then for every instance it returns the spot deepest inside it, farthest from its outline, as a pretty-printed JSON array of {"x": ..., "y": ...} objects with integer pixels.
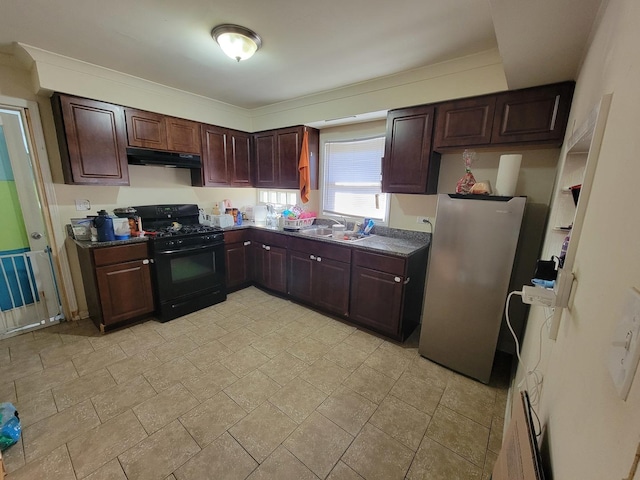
[
  {"x": 624, "y": 351},
  {"x": 82, "y": 205}
]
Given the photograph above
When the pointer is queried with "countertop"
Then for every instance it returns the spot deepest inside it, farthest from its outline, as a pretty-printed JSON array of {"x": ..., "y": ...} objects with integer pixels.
[{"x": 384, "y": 240}]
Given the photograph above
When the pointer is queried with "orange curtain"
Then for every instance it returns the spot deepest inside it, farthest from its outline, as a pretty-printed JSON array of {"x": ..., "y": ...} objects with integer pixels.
[{"x": 303, "y": 167}]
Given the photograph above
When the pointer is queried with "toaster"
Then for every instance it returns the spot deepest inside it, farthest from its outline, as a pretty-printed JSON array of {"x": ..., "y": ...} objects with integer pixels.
[{"x": 222, "y": 221}]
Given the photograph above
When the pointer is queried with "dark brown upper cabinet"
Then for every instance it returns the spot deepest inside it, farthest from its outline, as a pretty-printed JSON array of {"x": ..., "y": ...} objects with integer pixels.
[
  {"x": 160, "y": 132},
  {"x": 226, "y": 158},
  {"x": 531, "y": 116},
  {"x": 277, "y": 155},
  {"x": 92, "y": 139},
  {"x": 409, "y": 166}
]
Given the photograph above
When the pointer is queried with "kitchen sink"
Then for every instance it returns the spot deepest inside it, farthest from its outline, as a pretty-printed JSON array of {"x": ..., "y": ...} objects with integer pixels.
[
  {"x": 317, "y": 232},
  {"x": 327, "y": 233}
]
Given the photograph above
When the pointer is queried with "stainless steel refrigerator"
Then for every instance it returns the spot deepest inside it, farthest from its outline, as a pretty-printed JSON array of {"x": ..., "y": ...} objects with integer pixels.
[{"x": 471, "y": 257}]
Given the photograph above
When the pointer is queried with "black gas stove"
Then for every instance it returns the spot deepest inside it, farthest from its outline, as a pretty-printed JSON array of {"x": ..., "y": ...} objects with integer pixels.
[{"x": 187, "y": 257}]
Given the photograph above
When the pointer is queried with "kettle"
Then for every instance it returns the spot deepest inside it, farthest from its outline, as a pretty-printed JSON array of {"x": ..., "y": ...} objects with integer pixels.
[{"x": 104, "y": 225}]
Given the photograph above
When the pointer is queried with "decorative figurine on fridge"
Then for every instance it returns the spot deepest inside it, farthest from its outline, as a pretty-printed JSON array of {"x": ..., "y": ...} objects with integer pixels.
[{"x": 468, "y": 180}]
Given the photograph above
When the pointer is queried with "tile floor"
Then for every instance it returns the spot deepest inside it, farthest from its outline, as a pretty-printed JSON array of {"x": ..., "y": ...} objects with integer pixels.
[{"x": 256, "y": 387}]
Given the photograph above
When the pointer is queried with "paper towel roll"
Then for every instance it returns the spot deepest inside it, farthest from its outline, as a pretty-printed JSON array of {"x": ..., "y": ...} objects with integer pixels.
[{"x": 508, "y": 175}]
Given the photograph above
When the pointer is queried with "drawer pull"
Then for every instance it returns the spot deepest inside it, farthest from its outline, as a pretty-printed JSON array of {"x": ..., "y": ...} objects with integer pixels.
[
  {"x": 247, "y": 243},
  {"x": 145, "y": 261},
  {"x": 319, "y": 259},
  {"x": 312, "y": 257},
  {"x": 397, "y": 279},
  {"x": 267, "y": 247}
]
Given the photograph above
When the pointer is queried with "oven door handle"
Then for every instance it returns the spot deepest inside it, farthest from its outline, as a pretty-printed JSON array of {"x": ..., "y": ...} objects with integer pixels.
[{"x": 187, "y": 250}]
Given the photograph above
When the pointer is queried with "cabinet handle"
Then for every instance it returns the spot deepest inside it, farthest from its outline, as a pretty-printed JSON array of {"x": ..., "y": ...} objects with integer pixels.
[
  {"x": 267, "y": 247},
  {"x": 397, "y": 279},
  {"x": 318, "y": 259},
  {"x": 145, "y": 261},
  {"x": 312, "y": 257},
  {"x": 247, "y": 243},
  {"x": 407, "y": 280},
  {"x": 264, "y": 246}
]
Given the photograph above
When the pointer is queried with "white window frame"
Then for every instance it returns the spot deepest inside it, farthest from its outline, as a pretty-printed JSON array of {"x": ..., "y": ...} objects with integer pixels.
[{"x": 336, "y": 136}]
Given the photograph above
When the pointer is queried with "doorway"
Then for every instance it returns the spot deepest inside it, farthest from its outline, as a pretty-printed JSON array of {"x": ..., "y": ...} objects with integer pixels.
[{"x": 29, "y": 294}]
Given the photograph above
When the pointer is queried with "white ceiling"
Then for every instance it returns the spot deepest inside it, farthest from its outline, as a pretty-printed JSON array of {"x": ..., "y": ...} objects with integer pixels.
[{"x": 308, "y": 47}]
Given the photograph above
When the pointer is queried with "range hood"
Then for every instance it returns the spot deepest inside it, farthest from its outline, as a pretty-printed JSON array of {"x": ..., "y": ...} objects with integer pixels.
[{"x": 143, "y": 156}]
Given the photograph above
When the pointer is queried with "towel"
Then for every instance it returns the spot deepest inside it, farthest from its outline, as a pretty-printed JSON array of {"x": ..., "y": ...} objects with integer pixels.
[{"x": 303, "y": 167}]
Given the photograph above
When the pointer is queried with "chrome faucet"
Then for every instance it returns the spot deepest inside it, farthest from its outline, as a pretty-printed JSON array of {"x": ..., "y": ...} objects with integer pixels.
[{"x": 342, "y": 221}]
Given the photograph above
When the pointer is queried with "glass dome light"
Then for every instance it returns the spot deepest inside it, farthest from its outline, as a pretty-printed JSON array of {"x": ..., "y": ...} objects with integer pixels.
[{"x": 236, "y": 42}]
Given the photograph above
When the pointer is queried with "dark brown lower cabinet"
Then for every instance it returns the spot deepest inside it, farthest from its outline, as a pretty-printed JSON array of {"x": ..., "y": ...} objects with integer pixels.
[
  {"x": 117, "y": 283},
  {"x": 270, "y": 261},
  {"x": 238, "y": 259},
  {"x": 319, "y": 274}
]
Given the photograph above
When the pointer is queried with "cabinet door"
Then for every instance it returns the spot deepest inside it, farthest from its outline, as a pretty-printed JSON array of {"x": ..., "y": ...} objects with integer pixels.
[
  {"x": 125, "y": 291},
  {"x": 183, "y": 136},
  {"x": 260, "y": 268},
  {"x": 533, "y": 115},
  {"x": 301, "y": 275},
  {"x": 407, "y": 166},
  {"x": 376, "y": 300},
  {"x": 237, "y": 264},
  {"x": 239, "y": 159},
  {"x": 331, "y": 282},
  {"x": 146, "y": 129},
  {"x": 92, "y": 140},
  {"x": 289, "y": 141},
  {"x": 265, "y": 160},
  {"x": 214, "y": 157},
  {"x": 277, "y": 269},
  {"x": 464, "y": 122}
]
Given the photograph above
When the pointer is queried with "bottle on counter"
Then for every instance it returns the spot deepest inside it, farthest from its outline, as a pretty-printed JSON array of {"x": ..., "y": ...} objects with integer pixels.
[{"x": 104, "y": 225}]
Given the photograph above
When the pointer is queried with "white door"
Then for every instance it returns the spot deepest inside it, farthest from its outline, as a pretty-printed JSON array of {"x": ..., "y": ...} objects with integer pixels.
[{"x": 29, "y": 296}]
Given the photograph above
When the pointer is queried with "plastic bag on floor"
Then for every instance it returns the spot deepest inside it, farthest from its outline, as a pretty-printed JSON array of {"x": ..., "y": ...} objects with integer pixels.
[{"x": 9, "y": 425}]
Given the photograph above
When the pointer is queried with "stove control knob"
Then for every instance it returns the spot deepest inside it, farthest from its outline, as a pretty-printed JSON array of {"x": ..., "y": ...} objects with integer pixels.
[
  {"x": 179, "y": 242},
  {"x": 171, "y": 243}
]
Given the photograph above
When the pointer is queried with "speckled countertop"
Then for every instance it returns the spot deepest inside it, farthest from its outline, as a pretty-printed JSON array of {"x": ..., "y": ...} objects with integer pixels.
[{"x": 388, "y": 240}]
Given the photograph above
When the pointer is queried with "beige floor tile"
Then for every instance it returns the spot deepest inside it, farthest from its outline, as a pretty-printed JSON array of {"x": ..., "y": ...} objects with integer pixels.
[
  {"x": 297, "y": 330},
  {"x": 262, "y": 431},
  {"x": 298, "y": 399},
  {"x": 331, "y": 334},
  {"x": 342, "y": 471},
  {"x": 369, "y": 383},
  {"x": 205, "y": 385},
  {"x": 90, "y": 362},
  {"x": 61, "y": 353},
  {"x": 13, "y": 457},
  {"x": 43, "y": 437},
  {"x": 120, "y": 398},
  {"x": 309, "y": 350},
  {"x": 238, "y": 339},
  {"x": 283, "y": 368},
  {"x": 401, "y": 421},
  {"x": 170, "y": 373},
  {"x": 174, "y": 328},
  {"x": 233, "y": 321},
  {"x": 20, "y": 368},
  {"x": 347, "y": 409},
  {"x": 5, "y": 357},
  {"x": 363, "y": 341},
  {"x": 430, "y": 372},
  {"x": 36, "y": 407},
  {"x": 375, "y": 455},
  {"x": 160, "y": 454},
  {"x": 460, "y": 434},
  {"x": 489, "y": 463},
  {"x": 143, "y": 338},
  {"x": 28, "y": 349},
  {"x": 325, "y": 375},
  {"x": 418, "y": 393},
  {"x": 244, "y": 361},
  {"x": 263, "y": 327},
  {"x": 495, "y": 434},
  {"x": 55, "y": 461},
  {"x": 346, "y": 356},
  {"x": 435, "y": 462},
  {"x": 109, "y": 471},
  {"x": 212, "y": 418},
  {"x": 208, "y": 353},
  {"x": 473, "y": 388},
  {"x": 223, "y": 459},
  {"x": 206, "y": 334},
  {"x": 130, "y": 367},
  {"x": 81, "y": 388},
  {"x": 110, "y": 339},
  {"x": 281, "y": 464},
  {"x": 100, "y": 445},
  {"x": 318, "y": 443},
  {"x": 204, "y": 319},
  {"x": 174, "y": 348},
  {"x": 252, "y": 390},
  {"x": 407, "y": 349},
  {"x": 17, "y": 340},
  {"x": 388, "y": 362},
  {"x": 272, "y": 344},
  {"x": 8, "y": 392},
  {"x": 46, "y": 379},
  {"x": 461, "y": 400},
  {"x": 169, "y": 404}
]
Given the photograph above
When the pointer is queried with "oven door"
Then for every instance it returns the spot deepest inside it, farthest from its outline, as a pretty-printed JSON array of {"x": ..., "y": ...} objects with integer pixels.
[{"x": 188, "y": 272}]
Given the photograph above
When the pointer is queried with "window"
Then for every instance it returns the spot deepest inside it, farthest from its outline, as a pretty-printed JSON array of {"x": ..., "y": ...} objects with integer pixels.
[{"x": 352, "y": 179}]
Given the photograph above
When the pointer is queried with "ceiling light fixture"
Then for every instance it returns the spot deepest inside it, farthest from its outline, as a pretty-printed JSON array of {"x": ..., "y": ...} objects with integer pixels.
[{"x": 237, "y": 42}]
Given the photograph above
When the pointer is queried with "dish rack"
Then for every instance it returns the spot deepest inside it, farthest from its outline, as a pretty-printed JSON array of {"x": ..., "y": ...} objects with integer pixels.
[{"x": 299, "y": 223}]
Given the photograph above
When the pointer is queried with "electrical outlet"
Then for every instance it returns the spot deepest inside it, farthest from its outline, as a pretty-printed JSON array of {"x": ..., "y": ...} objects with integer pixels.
[
  {"x": 624, "y": 351},
  {"x": 423, "y": 220},
  {"x": 539, "y": 296},
  {"x": 82, "y": 205}
]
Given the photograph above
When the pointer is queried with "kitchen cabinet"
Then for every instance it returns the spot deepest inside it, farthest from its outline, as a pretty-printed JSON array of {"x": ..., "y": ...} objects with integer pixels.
[
  {"x": 226, "y": 158},
  {"x": 277, "y": 155},
  {"x": 117, "y": 283},
  {"x": 387, "y": 292},
  {"x": 319, "y": 274},
  {"x": 409, "y": 164},
  {"x": 161, "y": 132},
  {"x": 536, "y": 115},
  {"x": 270, "y": 260},
  {"x": 92, "y": 141},
  {"x": 238, "y": 252}
]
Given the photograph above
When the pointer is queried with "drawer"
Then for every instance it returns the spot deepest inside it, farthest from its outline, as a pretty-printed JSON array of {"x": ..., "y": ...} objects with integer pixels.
[
  {"x": 120, "y": 254},
  {"x": 236, "y": 236},
  {"x": 270, "y": 238},
  {"x": 382, "y": 263},
  {"x": 321, "y": 249}
]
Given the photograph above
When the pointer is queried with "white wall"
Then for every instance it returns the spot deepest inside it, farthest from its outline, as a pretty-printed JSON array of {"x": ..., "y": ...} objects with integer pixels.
[{"x": 590, "y": 432}]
